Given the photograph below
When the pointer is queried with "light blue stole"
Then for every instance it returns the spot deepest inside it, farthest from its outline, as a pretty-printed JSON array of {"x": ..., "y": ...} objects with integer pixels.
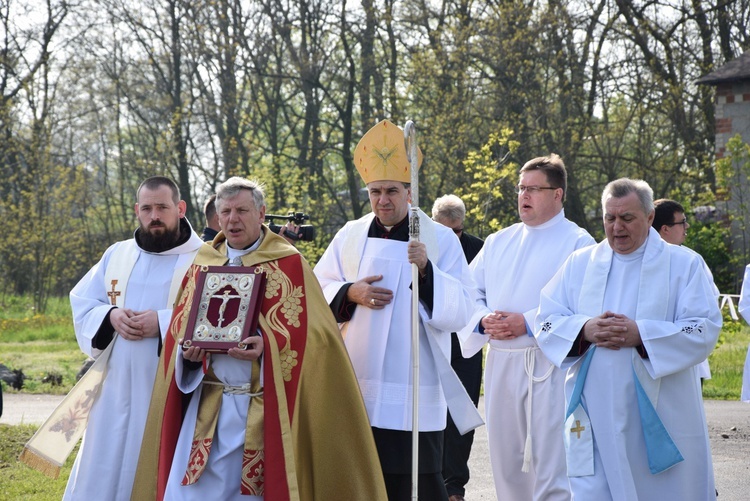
[{"x": 652, "y": 304}]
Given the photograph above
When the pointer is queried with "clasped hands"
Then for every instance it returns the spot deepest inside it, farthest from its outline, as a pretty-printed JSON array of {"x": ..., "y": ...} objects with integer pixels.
[
  {"x": 134, "y": 325},
  {"x": 612, "y": 330},
  {"x": 503, "y": 325},
  {"x": 365, "y": 293}
]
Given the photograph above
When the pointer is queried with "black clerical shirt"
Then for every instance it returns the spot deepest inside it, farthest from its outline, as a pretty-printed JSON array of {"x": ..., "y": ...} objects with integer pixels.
[{"x": 343, "y": 309}]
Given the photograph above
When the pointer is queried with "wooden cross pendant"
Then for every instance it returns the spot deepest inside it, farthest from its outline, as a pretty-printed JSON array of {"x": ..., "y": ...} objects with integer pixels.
[{"x": 113, "y": 293}]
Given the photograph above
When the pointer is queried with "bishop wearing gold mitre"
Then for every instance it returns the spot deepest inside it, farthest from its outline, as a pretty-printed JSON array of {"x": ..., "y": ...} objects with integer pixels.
[{"x": 366, "y": 277}]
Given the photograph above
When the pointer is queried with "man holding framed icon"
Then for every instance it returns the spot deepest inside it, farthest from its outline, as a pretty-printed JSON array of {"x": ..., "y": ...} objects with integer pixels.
[{"x": 263, "y": 410}]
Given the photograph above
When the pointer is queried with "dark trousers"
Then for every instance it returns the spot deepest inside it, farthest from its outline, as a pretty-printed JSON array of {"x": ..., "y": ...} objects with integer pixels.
[
  {"x": 457, "y": 447},
  {"x": 394, "y": 451},
  {"x": 430, "y": 488}
]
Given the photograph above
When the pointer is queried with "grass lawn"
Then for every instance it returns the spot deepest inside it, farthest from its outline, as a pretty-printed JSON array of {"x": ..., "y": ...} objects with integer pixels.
[
  {"x": 44, "y": 347},
  {"x": 727, "y": 362},
  {"x": 18, "y": 481}
]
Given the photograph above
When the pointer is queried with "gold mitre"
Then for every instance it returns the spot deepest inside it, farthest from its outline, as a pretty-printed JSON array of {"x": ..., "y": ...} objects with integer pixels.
[{"x": 381, "y": 155}]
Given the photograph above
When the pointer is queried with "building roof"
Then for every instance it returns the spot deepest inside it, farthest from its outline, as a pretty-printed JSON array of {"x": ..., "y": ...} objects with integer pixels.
[{"x": 734, "y": 71}]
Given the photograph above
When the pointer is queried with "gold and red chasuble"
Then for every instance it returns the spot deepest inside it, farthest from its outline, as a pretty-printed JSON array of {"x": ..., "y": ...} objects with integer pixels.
[
  {"x": 313, "y": 418},
  {"x": 284, "y": 326},
  {"x": 282, "y": 311}
]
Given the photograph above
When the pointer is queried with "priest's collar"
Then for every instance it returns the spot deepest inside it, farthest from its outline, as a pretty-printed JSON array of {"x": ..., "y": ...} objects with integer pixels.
[
  {"x": 547, "y": 224},
  {"x": 158, "y": 246},
  {"x": 632, "y": 256},
  {"x": 233, "y": 253},
  {"x": 399, "y": 231}
]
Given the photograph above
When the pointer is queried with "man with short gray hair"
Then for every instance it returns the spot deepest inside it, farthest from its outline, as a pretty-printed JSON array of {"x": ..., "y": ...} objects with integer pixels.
[
  {"x": 450, "y": 211},
  {"x": 629, "y": 319}
]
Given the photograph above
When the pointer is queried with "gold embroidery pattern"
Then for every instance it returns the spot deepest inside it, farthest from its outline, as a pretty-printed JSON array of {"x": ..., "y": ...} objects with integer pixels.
[
  {"x": 253, "y": 478},
  {"x": 288, "y": 361},
  {"x": 186, "y": 297},
  {"x": 274, "y": 280},
  {"x": 290, "y": 306},
  {"x": 197, "y": 460}
]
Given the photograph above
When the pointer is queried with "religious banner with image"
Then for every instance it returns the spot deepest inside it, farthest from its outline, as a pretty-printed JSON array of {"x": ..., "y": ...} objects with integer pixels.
[
  {"x": 225, "y": 307},
  {"x": 53, "y": 442}
]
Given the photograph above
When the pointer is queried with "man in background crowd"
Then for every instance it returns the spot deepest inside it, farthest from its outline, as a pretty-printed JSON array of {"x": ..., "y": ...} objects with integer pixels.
[
  {"x": 671, "y": 222},
  {"x": 450, "y": 211},
  {"x": 212, "y": 220}
]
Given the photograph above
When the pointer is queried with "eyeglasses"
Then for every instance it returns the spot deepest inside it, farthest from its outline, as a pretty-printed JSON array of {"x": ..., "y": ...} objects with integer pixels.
[
  {"x": 532, "y": 189},
  {"x": 684, "y": 221}
]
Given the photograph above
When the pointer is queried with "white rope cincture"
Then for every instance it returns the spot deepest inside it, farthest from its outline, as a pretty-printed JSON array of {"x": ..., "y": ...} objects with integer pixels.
[{"x": 529, "y": 363}]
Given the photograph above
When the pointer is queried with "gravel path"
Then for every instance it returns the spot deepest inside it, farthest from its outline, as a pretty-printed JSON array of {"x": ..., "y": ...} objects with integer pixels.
[{"x": 728, "y": 427}]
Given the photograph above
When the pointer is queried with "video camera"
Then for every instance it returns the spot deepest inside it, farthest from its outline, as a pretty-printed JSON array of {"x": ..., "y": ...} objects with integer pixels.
[{"x": 305, "y": 232}]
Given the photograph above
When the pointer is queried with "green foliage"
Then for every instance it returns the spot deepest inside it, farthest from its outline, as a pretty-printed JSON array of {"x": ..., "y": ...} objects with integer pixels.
[
  {"x": 734, "y": 164},
  {"x": 48, "y": 242},
  {"x": 39, "y": 359},
  {"x": 283, "y": 95},
  {"x": 711, "y": 240},
  {"x": 729, "y": 327},
  {"x": 18, "y": 480},
  {"x": 732, "y": 173},
  {"x": 21, "y": 308},
  {"x": 490, "y": 200}
]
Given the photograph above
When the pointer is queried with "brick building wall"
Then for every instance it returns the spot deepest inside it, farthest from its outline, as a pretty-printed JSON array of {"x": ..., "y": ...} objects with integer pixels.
[
  {"x": 732, "y": 113},
  {"x": 732, "y": 118}
]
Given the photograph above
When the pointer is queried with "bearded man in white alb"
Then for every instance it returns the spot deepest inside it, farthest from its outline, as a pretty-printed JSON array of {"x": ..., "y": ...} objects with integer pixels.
[
  {"x": 126, "y": 299},
  {"x": 629, "y": 319},
  {"x": 523, "y": 390}
]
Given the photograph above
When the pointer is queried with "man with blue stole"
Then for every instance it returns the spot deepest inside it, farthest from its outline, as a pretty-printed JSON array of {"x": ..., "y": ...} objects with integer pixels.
[{"x": 630, "y": 318}]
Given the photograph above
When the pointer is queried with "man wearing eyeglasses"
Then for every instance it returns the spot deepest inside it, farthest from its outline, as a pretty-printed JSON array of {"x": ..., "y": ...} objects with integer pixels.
[
  {"x": 672, "y": 224},
  {"x": 670, "y": 221},
  {"x": 524, "y": 397}
]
